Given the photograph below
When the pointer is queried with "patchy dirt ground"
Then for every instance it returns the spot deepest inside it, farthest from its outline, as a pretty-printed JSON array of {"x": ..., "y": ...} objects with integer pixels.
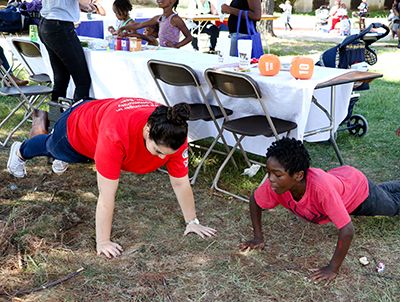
[{"x": 47, "y": 232}]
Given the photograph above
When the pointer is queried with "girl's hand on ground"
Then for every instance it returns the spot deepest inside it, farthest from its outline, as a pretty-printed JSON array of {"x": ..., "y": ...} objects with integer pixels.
[
  {"x": 398, "y": 132},
  {"x": 200, "y": 230},
  {"x": 324, "y": 273},
  {"x": 255, "y": 244},
  {"x": 109, "y": 249}
]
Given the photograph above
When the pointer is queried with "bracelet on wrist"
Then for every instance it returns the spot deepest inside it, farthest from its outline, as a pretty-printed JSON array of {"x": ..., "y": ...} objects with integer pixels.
[{"x": 193, "y": 221}]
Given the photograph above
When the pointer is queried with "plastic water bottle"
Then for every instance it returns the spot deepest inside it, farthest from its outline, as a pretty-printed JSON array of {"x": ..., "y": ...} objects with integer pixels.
[{"x": 33, "y": 33}]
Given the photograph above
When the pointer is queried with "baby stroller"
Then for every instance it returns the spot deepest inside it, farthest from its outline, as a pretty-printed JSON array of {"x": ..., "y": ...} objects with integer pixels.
[
  {"x": 322, "y": 15},
  {"x": 355, "y": 50}
]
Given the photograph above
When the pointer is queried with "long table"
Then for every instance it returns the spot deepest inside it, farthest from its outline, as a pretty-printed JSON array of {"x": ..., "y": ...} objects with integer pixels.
[{"x": 119, "y": 74}]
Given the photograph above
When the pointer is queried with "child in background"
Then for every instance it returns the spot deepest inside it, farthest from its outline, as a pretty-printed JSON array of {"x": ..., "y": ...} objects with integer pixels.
[
  {"x": 170, "y": 25},
  {"x": 319, "y": 197},
  {"x": 150, "y": 34},
  {"x": 345, "y": 26},
  {"x": 363, "y": 8},
  {"x": 287, "y": 14},
  {"x": 121, "y": 8}
]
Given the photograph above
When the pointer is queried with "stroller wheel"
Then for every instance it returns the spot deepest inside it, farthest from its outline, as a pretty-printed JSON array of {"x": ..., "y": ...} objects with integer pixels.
[{"x": 357, "y": 125}]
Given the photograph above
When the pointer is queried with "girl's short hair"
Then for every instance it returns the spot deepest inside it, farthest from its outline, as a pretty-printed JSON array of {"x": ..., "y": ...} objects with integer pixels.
[
  {"x": 291, "y": 154},
  {"x": 123, "y": 5},
  {"x": 168, "y": 125}
]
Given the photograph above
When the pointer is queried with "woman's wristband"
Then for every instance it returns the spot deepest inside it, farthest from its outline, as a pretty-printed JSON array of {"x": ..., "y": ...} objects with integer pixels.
[{"x": 193, "y": 221}]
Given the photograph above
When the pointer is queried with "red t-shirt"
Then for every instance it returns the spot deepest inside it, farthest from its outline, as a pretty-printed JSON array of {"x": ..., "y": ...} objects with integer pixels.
[
  {"x": 329, "y": 196},
  {"x": 110, "y": 131}
]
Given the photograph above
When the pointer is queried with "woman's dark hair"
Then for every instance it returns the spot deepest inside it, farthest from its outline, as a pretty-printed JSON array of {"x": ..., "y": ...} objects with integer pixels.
[
  {"x": 291, "y": 154},
  {"x": 168, "y": 125},
  {"x": 123, "y": 5}
]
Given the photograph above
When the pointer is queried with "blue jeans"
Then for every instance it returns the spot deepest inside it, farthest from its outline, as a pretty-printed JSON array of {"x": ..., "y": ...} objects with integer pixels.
[
  {"x": 382, "y": 200},
  {"x": 66, "y": 57},
  {"x": 55, "y": 144}
]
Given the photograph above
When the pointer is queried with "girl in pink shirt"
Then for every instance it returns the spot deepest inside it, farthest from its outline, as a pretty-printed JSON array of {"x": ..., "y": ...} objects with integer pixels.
[{"x": 170, "y": 25}]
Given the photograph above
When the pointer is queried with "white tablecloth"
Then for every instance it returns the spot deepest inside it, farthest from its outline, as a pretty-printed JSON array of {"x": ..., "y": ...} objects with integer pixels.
[{"x": 119, "y": 73}]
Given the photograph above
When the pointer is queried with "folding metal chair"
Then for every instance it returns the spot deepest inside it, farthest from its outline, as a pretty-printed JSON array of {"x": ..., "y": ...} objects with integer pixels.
[
  {"x": 241, "y": 87},
  {"x": 175, "y": 74},
  {"x": 29, "y": 50},
  {"x": 29, "y": 97}
]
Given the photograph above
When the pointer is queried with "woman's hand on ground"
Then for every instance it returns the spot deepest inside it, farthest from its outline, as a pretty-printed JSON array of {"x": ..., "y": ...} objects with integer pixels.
[
  {"x": 200, "y": 230},
  {"x": 323, "y": 274},
  {"x": 109, "y": 249},
  {"x": 254, "y": 244}
]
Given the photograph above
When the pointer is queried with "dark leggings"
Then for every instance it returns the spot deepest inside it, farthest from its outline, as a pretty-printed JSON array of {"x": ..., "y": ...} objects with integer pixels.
[
  {"x": 382, "y": 200},
  {"x": 211, "y": 30}
]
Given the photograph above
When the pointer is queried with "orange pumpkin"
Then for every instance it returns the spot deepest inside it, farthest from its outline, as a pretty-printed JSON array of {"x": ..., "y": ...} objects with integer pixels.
[
  {"x": 302, "y": 68},
  {"x": 269, "y": 65}
]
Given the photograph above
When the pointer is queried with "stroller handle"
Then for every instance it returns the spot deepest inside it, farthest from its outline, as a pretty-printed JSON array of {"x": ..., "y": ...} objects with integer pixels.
[
  {"x": 362, "y": 34},
  {"x": 384, "y": 26}
]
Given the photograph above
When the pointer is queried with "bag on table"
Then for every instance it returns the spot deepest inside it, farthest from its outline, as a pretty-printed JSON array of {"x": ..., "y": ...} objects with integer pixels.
[{"x": 257, "y": 49}]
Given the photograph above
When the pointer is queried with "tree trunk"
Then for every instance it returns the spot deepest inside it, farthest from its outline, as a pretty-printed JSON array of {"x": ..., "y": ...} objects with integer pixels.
[{"x": 269, "y": 10}]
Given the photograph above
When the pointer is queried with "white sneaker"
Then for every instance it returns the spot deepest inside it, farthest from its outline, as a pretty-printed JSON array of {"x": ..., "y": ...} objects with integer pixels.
[
  {"x": 59, "y": 166},
  {"x": 15, "y": 165}
]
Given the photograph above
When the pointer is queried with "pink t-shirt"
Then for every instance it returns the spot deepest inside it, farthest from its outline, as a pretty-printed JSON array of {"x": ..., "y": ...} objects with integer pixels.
[
  {"x": 110, "y": 131},
  {"x": 329, "y": 196}
]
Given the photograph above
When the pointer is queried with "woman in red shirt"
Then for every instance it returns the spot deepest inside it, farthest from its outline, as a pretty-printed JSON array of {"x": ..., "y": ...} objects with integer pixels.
[{"x": 130, "y": 134}]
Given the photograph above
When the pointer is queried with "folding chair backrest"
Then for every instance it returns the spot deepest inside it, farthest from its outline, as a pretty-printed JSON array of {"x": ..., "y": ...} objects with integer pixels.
[
  {"x": 233, "y": 84},
  {"x": 27, "y": 49},
  {"x": 173, "y": 74}
]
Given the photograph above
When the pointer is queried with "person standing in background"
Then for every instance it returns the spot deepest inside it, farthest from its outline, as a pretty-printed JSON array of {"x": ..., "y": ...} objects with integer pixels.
[
  {"x": 204, "y": 7},
  {"x": 254, "y": 12},
  {"x": 57, "y": 32},
  {"x": 287, "y": 14}
]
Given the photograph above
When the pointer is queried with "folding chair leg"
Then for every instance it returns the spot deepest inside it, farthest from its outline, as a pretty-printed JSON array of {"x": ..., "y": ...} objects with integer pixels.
[
  {"x": 336, "y": 148},
  {"x": 218, "y": 175},
  {"x": 4, "y": 143},
  {"x": 196, "y": 173},
  {"x": 12, "y": 112}
]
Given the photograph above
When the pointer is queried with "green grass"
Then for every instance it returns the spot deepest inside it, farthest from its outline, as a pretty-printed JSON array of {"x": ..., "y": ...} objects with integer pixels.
[{"x": 47, "y": 225}]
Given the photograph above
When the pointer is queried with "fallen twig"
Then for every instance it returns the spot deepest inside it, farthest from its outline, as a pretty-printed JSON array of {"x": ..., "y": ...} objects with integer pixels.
[
  {"x": 47, "y": 285},
  {"x": 165, "y": 284},
  {"x": 40, "y": 183}
]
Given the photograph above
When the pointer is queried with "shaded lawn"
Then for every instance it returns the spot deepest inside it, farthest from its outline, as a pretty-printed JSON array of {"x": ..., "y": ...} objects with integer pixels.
[{"x": 47, "y": 230}]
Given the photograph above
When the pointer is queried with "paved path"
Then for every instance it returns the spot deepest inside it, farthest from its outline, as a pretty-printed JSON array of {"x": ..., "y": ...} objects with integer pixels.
[{"x": 304, "y": 28}]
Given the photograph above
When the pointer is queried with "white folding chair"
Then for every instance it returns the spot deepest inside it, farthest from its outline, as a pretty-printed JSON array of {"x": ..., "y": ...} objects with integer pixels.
[
  {"x": 28, "y": 98},
  {"x": 240, "y": 87}
]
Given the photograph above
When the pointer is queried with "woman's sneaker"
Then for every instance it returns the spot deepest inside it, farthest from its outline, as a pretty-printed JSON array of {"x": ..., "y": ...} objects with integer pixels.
[
  {"x": 59, "y": 166},
  {"x": 15, "y": 165}
]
